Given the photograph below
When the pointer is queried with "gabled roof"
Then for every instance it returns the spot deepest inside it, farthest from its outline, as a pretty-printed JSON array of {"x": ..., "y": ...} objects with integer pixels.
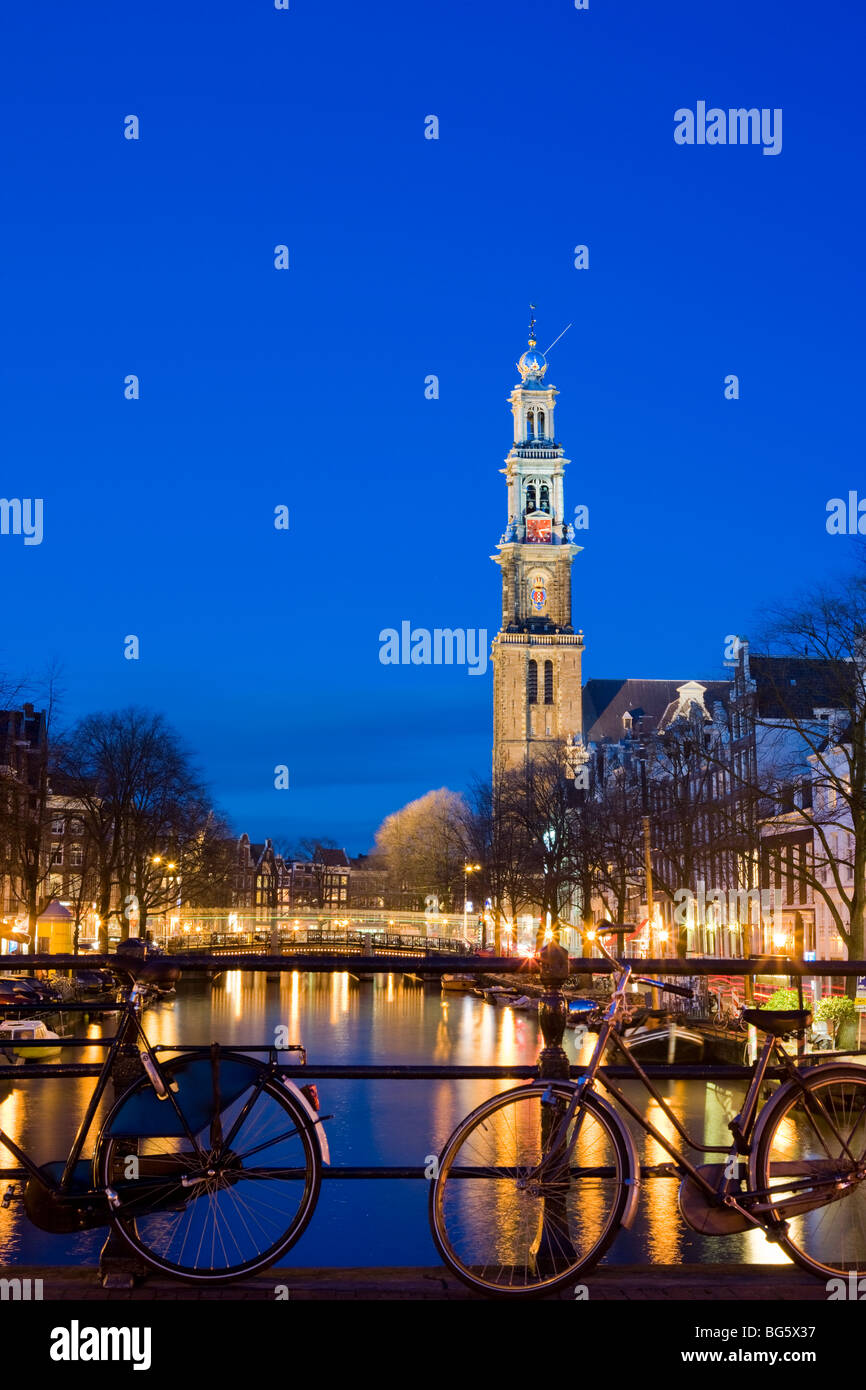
[
  {"x": 332, "y": 858},
  {"x": 649, "y": 702}
]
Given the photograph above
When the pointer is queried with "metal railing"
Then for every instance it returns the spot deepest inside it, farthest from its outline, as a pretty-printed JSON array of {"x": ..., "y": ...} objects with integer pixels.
[
  {"x": 317, "y": 939},
  {"x": 553, "y": 1061}
]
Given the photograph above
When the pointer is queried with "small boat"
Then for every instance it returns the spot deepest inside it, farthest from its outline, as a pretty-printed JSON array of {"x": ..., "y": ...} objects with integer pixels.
[
  {"x": 511, "y": 999},
  {"x": 29, "y": 1038},
  {"x": 458, "y": 983},
  {"x": 524, "y": 1003},
  {"x": 669, "y": 1043}
]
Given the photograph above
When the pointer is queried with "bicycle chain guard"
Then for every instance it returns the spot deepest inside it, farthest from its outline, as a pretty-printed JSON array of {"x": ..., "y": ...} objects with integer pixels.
[{"x": 698, "y": 1211}]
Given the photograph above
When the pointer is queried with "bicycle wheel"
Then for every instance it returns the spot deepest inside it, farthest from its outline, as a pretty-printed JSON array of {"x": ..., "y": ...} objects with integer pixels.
[
  {"x": 811, "y": 1159},
  {"x": 221, "y": 1190},
  {"x": 505, "y": 1229}
]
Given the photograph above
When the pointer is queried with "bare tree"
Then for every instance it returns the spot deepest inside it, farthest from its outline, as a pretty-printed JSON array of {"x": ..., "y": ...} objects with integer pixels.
[
  {"x": 144, "y": 808},
  {"x": 495, "y": 836},
  {"x": 540, "y": 798},
  {"x": 812, "y": 740},
  {"x": 422, "y": 846},
  {"x": 613, "y": 831}
]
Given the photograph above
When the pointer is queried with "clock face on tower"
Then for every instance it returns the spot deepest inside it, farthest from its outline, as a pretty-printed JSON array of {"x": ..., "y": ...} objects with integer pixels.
[{"x": 538, "y": 529}]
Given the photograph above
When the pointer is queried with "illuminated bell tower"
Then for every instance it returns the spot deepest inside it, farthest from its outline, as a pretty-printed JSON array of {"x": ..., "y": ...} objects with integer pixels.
[{"x": 537, "y": 653}]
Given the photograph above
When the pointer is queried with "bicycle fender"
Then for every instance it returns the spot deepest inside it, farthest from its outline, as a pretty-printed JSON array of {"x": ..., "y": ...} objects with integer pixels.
[
  {"x": 316, "y": 1126},
  {"x": 632, "y": 1181},
  {"x": 840, "y": 1070}
]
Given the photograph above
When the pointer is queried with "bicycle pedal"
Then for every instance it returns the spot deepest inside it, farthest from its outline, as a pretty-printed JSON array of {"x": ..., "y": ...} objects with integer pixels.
[{"x": 775, "y": 1234}]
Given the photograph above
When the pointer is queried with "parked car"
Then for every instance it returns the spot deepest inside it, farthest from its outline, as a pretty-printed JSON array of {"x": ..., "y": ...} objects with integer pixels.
[
  {"x": 27, "y": 991},
  {"x": 12, "y": 991},
  {"x": 94, "y": 981}
]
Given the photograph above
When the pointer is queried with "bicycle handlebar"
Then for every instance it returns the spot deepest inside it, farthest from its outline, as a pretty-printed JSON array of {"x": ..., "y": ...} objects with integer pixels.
[{"x": 608, "y": 929}]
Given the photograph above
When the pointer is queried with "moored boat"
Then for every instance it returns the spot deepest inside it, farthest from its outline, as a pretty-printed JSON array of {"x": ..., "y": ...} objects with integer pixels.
[
  {"x": 29, "y": 1038},
  {"x": 458, "y": 983}
]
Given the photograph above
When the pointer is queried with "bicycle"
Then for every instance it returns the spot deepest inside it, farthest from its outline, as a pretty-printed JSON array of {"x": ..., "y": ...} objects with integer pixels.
[
  {"x": 208, "y": 1165},
  {"x": 534, "y": 1184}
]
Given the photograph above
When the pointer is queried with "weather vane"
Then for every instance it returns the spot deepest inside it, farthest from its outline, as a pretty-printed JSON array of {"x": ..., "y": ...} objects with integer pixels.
[{"x": 532, "y": 326}]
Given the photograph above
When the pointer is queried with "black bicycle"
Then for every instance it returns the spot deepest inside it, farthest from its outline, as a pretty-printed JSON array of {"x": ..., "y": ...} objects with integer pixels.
[
  {"x": 208, "y": 1166},
  {"x": 534, "y": 1185}
]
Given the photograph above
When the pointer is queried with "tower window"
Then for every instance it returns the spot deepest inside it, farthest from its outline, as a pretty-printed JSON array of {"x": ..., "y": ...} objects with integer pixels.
[
  {"x": 530, "y": 497},
  {"x": 532, "y": 683},
  {"x": 548, "y": 682},
  {"x": 541, "y": 424},
  {"x": 544, "y": 498},
  {"x": 530, "y": 423}
]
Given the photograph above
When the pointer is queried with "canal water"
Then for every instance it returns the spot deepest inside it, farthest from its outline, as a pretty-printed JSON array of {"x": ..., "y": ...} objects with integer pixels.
[{"x": 389, "y": 1019}]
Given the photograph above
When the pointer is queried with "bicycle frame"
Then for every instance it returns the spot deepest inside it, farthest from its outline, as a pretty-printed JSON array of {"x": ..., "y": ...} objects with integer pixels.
[
  {"x": 129, "y": 1030},
  {"x": 742, "y": 1126}
]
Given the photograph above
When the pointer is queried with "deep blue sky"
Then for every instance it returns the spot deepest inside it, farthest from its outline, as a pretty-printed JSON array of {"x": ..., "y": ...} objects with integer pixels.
[{"x": 409, "y": 257}]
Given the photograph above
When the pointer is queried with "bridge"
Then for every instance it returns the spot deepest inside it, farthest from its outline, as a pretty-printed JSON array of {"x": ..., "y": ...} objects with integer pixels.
[{"x": 313, "y": 940}]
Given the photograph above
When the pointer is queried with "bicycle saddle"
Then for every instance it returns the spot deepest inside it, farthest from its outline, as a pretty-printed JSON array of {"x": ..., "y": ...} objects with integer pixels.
[{"x": 778, "y": 1022}]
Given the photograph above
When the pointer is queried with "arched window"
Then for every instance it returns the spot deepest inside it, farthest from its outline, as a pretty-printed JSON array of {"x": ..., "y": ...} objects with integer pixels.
[
  {"x": 530, "y": 423},
  {"x": 544, "y": 502},
  {"x": 532, "y": 683},
  {"x": 548, "y": 682},
  {"x": 530, "y": 497},
  {"x": 541, "y": 424}
]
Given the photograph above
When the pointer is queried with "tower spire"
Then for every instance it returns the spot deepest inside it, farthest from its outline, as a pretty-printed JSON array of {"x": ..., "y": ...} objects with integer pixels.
[{"x": 537, "y": 653}]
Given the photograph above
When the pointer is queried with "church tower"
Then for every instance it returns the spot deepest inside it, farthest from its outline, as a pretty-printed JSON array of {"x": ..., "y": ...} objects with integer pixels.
[{"x": 536, "y": 653}]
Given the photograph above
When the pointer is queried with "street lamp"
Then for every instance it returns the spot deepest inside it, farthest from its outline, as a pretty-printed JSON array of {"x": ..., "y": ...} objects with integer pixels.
[
  {"x": 169, "y": 869},
  {"x": 467, "y": 870},
  {"x": 647, "y": 850}
]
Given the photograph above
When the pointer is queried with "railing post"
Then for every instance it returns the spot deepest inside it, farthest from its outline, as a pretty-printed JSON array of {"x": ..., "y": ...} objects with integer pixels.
[
  {"x": 553, "y": 1062},
  {"x": 119, "y": 1266},
  {"x": 553, "y": 1244}
]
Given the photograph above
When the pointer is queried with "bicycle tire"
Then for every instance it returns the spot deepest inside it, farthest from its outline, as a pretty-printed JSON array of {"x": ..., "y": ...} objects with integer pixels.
[
  {"x": 480, "y": 1203},
  {"x": 830, "y": 1239},
  {"x": 236, "y": 1233}
]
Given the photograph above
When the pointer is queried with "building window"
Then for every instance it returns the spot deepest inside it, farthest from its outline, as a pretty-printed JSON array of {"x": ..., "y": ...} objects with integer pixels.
[
  {"x": 76, "y": 856},
  {"x": 545, "y": 498},
  {"x": 56, "y": 853},
  {"x": 530, "y": 424},
  {"x": 532, "y": 690},
  {"x": 541, "y": 423},
  {"x": 58, "y": 825},
  {"x": 530, "y": 497},
  {"x": 76, "y": 826},
  {"x": 548, "y": 682}
]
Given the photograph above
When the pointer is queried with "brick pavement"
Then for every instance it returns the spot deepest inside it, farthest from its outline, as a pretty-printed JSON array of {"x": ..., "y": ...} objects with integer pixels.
[{"x": 681, "y": 1283}]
